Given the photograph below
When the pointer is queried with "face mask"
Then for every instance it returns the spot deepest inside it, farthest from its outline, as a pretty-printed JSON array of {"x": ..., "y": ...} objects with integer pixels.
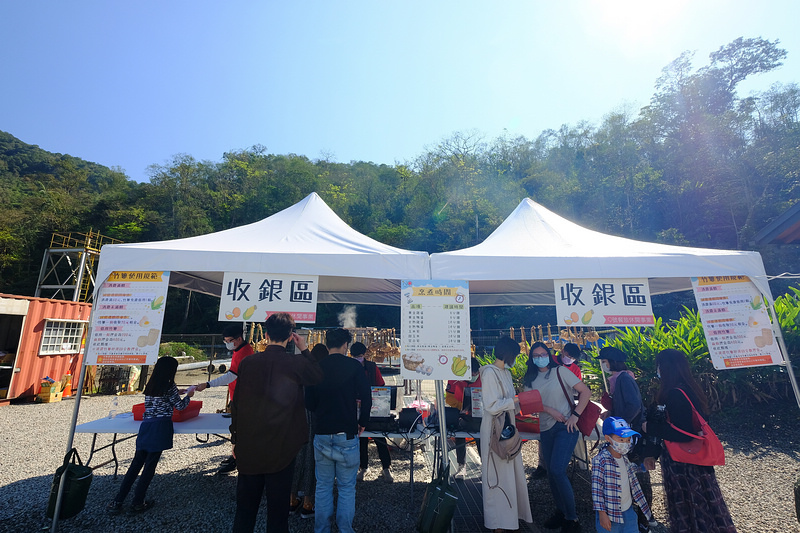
[
  {"x": 229, "y": 345},
  {"x": 621, "y": 448},
  {"x": 567, "y": 360},
  {"x": 541, "y": 362},
  {"x": 359, "y": 359},
  {"x": 605, "y": 368}
]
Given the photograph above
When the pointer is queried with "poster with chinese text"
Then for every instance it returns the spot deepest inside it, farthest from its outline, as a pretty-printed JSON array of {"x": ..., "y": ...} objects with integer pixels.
[
  {"x": 435, "y": 335},
  {"x": 247, "y": 296},
  {"x": 127, "y": 318},
  {"x": 603, "y": 302},
  {"x": 735, "y": 321}
]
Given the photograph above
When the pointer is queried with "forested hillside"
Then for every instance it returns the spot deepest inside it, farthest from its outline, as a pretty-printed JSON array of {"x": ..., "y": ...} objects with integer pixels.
[{"x": 700, "y": 165}]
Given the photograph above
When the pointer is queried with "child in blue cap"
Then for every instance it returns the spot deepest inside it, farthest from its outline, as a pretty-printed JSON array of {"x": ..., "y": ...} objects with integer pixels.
[{"x": 614, "y": 484}]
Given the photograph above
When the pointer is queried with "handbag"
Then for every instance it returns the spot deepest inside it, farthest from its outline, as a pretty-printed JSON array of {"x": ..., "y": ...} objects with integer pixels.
[
  {"x": 504, "y": 439},
  {"x": 438, "y": 506},
  {"x": 77, "y": 479},
  {"x": 704, "y": 449},
  {"x": 587, "y": 420}
]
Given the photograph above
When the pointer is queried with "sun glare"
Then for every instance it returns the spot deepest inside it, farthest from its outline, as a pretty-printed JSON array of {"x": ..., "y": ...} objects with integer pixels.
[{"x": 635, "y": 25}]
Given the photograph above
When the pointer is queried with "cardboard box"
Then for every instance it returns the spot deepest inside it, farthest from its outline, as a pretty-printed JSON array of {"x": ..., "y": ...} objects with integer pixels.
[
  {"x": 50, "y": 388},
  {"x": 49, "y": 397},
  {"x": 3, "y": 393}
]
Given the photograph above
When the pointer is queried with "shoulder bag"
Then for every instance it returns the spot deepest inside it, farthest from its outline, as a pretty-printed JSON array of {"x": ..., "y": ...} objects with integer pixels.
[
  {"x": 504, "y": 439},
  {"x": 704, "y": 449},
  {"x": 587, "y": 420}
]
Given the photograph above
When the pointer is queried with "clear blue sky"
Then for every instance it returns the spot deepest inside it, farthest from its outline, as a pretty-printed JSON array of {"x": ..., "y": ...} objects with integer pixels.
[{"x": 130, "y": 84}]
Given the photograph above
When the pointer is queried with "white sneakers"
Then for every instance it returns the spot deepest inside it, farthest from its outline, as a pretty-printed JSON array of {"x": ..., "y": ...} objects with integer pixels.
[{"x": 460, "y": 471}]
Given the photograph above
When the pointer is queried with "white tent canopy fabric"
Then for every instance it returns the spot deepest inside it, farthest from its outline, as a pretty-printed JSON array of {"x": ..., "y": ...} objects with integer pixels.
[
  {"x": 517, "y": 263},
  {"x": 306, "y": 238}
]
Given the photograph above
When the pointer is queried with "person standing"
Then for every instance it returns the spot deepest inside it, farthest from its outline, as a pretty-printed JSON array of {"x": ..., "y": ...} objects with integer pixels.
[
  {"x": 614, "y": 485},
  {"x": 268, "y": 424},
  {"x": 558, "y": 424},
  {"x": 161, "y": 396},
  {"x": 336, "y": 427},
  {"x": 234, "y": 341},
  {"x": 375, "y": 379},
  {"x": 694, "y": 500},
  {"x": 505, "y": 489}
]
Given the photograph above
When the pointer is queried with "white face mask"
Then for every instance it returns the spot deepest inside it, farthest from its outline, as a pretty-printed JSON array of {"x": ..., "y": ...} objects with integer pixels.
[
  {"x": 229, "y": 345},
  {"x": 621, "y": 448},
  {"x": 567, "y": 360},
  {"x": 605, "y": 368}
]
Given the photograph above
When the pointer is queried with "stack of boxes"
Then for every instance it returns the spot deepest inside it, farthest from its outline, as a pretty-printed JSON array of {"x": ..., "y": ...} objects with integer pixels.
[{"x": 50, "y": 392}]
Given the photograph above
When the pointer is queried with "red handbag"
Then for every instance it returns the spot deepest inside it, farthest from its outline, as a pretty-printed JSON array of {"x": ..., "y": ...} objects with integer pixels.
[
  {"x": 587, "y": 420},
  {"x": 704, "y": 449}
]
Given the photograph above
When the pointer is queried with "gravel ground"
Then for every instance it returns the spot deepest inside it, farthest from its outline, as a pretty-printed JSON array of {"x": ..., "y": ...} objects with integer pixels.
[{"x": 760, "y": 442}]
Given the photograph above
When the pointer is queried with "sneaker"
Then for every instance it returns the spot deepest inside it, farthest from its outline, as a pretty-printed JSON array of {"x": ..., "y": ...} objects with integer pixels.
[
  {"x": 571, "y": 526},
  {"x": 225, "y": 469},
  {"x": 142, "y": 507},
  {"x": 460, "y": 471},
  {"x": 114, "y": 507},
  {"x": 228, "y": 460},
  {"x": 387, "y": 476},
  {"x": 555, "y": 521},
  {"x": 294, "y": 507},
  {"x": 306, "y": 513},
  {"x": 539, "y": 473},
  {"x": 361, "y": 473}
]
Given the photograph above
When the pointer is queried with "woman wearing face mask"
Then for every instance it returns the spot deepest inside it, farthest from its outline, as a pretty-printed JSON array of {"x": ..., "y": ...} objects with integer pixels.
[
  {"x": 559, "y": 431},
  {"x": 694, "y": 501},
  {"x": 569, "y": 356}
]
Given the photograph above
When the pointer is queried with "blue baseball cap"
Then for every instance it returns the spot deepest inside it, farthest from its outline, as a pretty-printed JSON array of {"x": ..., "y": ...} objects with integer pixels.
[{"x": 619, "y": 427}]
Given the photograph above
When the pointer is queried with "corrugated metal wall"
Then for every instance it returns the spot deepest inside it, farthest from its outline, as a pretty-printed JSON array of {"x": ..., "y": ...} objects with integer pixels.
[{"x": 32, "y": 367}]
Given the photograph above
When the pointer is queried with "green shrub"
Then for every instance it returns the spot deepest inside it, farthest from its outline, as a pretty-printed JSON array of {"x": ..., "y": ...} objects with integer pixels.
[{"x": 176, "y": 349}]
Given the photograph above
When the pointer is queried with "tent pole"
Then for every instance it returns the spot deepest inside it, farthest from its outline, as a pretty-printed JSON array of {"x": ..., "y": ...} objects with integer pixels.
[
  {"x": 440, "y": 411},
  {"x": 776, "y": 330},
  {"x": 73, "y": 423}
]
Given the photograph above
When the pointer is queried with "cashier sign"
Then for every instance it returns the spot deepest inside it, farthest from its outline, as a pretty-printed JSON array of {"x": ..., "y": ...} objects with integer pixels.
[
  {"x": 603, "y": 302},
  {"x": 249, "y": 296}
]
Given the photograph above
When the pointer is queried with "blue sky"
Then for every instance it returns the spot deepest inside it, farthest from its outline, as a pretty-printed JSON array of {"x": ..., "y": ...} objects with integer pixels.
[{"x": 130, "y": 84}]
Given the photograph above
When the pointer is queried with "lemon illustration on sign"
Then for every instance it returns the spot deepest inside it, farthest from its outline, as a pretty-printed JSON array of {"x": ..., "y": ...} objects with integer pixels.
[
  {"x": 157, "y": 303},
  {"x": 587, "y": 317},
  {"x": 249, "y": 312}
]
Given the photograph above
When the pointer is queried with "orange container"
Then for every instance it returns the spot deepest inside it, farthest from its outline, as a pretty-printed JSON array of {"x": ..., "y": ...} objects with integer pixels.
[
  {"x": 530, "y": 402},
  {"x": 191, "y": 411},
  {"x": 527, "y": 424}
]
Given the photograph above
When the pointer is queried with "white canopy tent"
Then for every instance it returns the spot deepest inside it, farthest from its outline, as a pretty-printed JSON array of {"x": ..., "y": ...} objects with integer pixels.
[
  {"x": 517, "y": 263},
  {"x": 306, "y": 238}
]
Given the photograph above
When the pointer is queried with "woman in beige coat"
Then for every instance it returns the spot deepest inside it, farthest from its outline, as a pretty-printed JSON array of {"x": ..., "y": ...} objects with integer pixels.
[{"x": 505, "y": 488}]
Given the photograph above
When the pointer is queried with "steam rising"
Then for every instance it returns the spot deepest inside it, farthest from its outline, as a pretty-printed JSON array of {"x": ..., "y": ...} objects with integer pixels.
[{"x": 347, "y": 318}]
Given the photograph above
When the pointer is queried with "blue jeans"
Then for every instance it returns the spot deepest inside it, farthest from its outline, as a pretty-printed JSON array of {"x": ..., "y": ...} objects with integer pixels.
[
  {"x": 336, "y": 458},
  {"x": 557, "y": 445},
  {"x": 630, "y": 523}
]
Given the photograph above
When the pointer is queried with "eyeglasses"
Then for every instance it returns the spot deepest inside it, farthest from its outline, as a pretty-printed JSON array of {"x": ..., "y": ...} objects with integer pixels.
[{"x": 540, "y": 354}]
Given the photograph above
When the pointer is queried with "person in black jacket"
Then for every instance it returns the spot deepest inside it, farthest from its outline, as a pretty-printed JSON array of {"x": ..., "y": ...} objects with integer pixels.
[
  {"x": 694, "y": 500},
  {"x": 336, "y": 428}
]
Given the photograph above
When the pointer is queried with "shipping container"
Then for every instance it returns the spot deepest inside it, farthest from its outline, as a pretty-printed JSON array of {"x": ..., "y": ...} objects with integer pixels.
[{"x": 39, "y": 338}]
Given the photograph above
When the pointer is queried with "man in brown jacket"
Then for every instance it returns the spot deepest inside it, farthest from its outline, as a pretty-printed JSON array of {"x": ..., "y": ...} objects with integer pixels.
[{"x": 268, "y": 424}]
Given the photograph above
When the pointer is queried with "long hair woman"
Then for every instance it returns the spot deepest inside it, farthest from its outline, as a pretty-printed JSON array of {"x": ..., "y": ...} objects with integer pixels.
[
  {"x": 505, "y": 489},
  {"x": 161, "y": 396},
  {"x": 558, "y": 428},
  {"x": 694, "y": 500}
]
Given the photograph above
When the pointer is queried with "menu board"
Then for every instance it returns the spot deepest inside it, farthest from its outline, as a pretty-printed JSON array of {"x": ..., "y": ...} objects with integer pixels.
[
  {"x": 249, "y": 296},
  {"x": 435, "y": 334},
  {"x": 381, "y": 402},
  {"x": 735, "y": 321},
  {"x": 127, "y": 318},
  {"x": 603, "y": 302}
]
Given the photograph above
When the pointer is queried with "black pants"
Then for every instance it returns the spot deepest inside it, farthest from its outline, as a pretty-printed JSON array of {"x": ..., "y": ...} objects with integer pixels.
[
  {"x": 148, "y": 460},
  {"x": 250, "y": 487},
  {"x": 383, "y": 451},
  {"x": 461, "y": 449}
]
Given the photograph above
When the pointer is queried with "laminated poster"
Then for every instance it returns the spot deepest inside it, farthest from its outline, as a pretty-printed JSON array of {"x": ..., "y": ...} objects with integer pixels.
[
  {"x": 735, "y": 321},
  {"x": 249, "y": 296},
  {"x": 381, "y": 402},
  {"x": 127, "y": 318},
  {"x": 435, "y": 334}
]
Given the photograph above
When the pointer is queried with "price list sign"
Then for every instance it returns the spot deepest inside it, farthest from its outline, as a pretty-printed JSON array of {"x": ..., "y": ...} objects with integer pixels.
[
  {"x": 435, "y": 334},
  {"x": 735, "y": 321},
  {"x": 127, "y": 319}
]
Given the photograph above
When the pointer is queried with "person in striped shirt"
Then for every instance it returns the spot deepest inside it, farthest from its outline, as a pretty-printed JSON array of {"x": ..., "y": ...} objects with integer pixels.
[{"x": 614, "y": 485}]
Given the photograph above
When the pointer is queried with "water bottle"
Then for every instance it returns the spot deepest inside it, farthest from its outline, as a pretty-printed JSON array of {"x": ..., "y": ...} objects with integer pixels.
[{"x": 114, "y": 411}]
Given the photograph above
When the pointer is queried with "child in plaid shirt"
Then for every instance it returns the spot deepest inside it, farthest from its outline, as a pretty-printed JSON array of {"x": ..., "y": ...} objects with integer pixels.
[{"x": 614, "y": 484}]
